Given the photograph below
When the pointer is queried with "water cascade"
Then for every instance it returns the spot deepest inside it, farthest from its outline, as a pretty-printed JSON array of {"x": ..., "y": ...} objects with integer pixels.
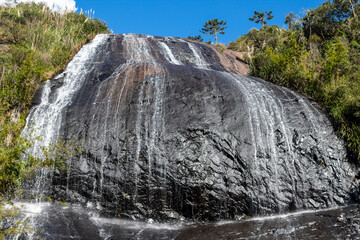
[{"x": 172, "y": 130}]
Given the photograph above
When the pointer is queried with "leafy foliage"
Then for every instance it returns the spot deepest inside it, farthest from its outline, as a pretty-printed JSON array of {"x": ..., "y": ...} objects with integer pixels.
[
  {"x": 261, "y": 17},
  {"x": 292, "y": 21},
  {"x": 326, "y": 20},
  {"x": 13, "y": 174},
  {"x": 10, "y": 224},
  {"x": 214, "y": 27},
  {"x": 196, "y": 38},
  {"x": 319, "y": 58}
]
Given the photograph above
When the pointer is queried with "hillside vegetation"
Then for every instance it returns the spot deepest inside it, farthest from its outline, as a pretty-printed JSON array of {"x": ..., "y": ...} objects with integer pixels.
[
  {"x": 319, "y": 56},
  {"x": 35, "y": 44}
]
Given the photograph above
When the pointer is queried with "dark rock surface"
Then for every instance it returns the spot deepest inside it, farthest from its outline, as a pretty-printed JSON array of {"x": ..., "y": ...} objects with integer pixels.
[
  {"x": 340, "y": 223},
  {"x": 55, "y": 222},
  {"x": 169, "y": 131}
]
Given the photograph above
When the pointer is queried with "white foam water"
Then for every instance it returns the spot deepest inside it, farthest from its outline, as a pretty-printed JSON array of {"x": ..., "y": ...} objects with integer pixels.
[{"x": 44, "y": 121}]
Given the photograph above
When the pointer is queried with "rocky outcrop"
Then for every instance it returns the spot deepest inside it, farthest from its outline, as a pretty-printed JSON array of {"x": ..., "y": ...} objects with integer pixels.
[
  {"x": 232, "y": 61},
  {"x": 170, "y": 129}
]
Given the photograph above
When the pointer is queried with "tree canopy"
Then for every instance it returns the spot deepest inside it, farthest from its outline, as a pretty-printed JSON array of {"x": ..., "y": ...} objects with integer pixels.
[
  {"x": 196, "y": 38},
  {"x": 325, "y": 20},
  {"x": 292, "y": 21},
  {"x": 214, "y": 27},
  {"x": 261, "y": 17}
]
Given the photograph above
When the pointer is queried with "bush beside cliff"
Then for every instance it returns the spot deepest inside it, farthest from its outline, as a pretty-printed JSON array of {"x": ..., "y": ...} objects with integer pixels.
[
  {"x": 318, "y": 56},
  {"x": 35, "y": 44}
]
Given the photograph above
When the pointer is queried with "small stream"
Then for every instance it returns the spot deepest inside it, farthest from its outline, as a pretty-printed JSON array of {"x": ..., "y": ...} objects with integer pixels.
[{"x": 53, "y": 221}]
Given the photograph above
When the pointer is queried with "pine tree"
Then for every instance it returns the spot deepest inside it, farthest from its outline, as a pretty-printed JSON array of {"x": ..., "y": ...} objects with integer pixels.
[
  {"x": 261, "y": 17},
  {"x": 214, "y": 27},
  {"x": 196, "y": 38}
]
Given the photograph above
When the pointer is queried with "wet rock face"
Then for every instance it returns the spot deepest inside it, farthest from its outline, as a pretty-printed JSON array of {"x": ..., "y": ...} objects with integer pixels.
[
  {"x": 74, "y": 222},
  {"x": 339, "y": 223},
  {"x": 170, "y": 129}
]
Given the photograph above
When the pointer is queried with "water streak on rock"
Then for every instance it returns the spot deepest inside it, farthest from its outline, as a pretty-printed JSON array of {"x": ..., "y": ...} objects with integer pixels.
[
  {"x": 171, "y": 131},
  {"x": 45, "y": 119}
]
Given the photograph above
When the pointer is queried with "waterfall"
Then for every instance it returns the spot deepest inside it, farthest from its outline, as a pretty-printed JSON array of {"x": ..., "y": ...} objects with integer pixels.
[
  {"x": 149, "y": 120},
  {"x": 198, "y": 58},
  {"x": 266, "y": 118},
  {"x": 44, "y": 121},
  {"x": 168, "y": 54},
  {"x": 171, "y": 131}
]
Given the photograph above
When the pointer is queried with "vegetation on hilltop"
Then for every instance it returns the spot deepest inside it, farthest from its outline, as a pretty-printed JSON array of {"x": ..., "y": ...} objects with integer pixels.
[
  {"x": 319, "y": 55},
  {"x": 196, "y": 38},
  {"x": 35, "y": 44},
  {"x": 261, "y": 17},
  {"x": 211, "y": 28},
  {"x": 214, "y": 27}
]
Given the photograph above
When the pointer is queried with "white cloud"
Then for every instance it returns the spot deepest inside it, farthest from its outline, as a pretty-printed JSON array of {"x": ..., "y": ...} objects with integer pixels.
[{"x": 57, "y": 5}]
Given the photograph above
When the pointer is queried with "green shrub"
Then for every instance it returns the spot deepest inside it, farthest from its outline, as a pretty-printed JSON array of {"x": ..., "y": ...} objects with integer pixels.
[
  {"x": 35, "y": 44},
  {"x": 319, "y": 59}
]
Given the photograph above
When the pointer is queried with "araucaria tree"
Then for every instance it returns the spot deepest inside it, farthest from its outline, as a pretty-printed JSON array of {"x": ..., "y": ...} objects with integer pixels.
[
  {"x": 196, "y": 38},
  {"x": 214, "y": 27},
  {"x": 261, "y": 17}
]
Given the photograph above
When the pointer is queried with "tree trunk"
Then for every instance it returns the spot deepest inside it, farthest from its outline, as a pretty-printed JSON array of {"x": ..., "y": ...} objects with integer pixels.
[
  {"x": 352, "y": 8},
  {"x": 215, "y": 39}
]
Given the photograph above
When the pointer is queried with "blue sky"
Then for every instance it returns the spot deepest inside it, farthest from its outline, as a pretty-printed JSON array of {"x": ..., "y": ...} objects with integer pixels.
[{"x": 181, "y": 18}]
